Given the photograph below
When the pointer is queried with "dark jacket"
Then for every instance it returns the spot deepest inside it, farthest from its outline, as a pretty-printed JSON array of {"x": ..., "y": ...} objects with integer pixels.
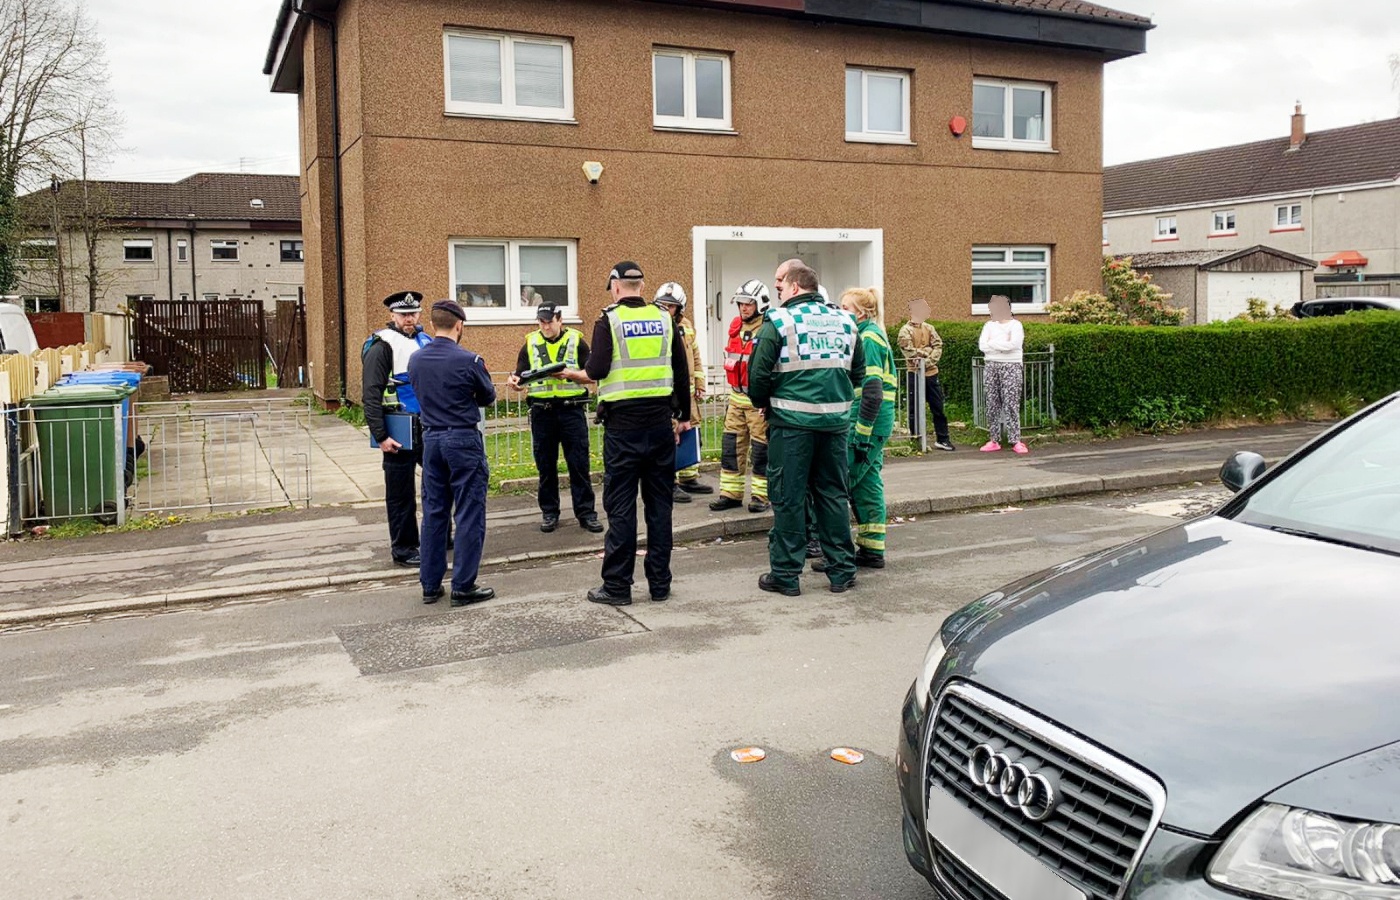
[
  {"x": 452, "y": 385},
  {"x": 652, "y": 412},
  {"x": 378, "y": 366}
]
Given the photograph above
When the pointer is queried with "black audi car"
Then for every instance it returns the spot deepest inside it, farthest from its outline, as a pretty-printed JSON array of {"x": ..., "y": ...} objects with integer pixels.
[{"x": 1203, "y": 713}]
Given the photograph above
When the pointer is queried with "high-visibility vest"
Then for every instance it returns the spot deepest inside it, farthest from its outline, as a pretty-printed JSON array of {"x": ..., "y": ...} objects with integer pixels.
[
  {"x": 542, "y": 353},
  {"x": 397, "y": 391},
  {"x": 813, "y": 384},
  {"x": 738, "y": 351},
  {"x": 879, "y": 362},
  {"x": 642, "y": 341}
]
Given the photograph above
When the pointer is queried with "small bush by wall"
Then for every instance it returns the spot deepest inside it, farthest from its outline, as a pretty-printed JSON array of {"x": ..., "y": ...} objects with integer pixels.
[{"x": 1107, "y": 374}]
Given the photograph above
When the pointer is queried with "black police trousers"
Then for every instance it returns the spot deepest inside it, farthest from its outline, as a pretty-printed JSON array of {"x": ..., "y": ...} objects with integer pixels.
[
  {"x": 553, "y": 424},
  {"x": 401, "y": 501},
  {"x": 644, "y": 458}
]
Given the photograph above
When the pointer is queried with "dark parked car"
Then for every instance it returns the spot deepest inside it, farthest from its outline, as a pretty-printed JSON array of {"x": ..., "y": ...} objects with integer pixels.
[
  {"x": 1203, "y": 713},
  {"x": 1336, "y": 306}
]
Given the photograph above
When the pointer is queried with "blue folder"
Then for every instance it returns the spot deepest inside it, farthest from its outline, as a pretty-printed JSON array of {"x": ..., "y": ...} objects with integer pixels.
[
  {"x": 400, "y": 426},
  {"x": 688, "y": 451}
]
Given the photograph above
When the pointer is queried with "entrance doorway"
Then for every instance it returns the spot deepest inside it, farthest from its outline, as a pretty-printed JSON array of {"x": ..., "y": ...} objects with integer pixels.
[{"x": 726, "y": 257}]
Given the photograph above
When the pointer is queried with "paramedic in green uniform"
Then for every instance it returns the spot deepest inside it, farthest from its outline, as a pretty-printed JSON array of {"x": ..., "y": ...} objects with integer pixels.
[{"x": 806, "y": 363}]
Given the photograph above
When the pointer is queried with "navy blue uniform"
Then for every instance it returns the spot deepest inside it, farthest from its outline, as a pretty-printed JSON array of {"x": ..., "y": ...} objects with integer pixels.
[{"x": 452, "y": 385}]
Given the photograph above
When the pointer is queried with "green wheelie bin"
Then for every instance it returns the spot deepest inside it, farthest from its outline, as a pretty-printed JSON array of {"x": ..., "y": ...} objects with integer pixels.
[{"x": 82, "y": 452}]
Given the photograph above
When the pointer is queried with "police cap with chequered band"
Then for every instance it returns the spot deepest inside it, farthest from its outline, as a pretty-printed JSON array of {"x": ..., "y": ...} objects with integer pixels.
[
  {"x": 548, "y": 312},
  {"x": 404, "y": 302}
]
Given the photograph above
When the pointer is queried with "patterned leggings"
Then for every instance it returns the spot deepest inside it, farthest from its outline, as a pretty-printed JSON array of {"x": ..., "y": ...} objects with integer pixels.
[{"x": 1001, "y": 384}]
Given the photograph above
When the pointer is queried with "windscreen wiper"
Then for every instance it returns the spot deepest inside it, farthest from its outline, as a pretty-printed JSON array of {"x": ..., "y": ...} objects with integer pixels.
[{"x": 1327, "y": 539}]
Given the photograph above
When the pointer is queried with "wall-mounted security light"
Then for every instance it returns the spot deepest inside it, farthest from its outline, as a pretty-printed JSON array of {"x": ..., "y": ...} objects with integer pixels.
[{"x": 593, "y": 171}]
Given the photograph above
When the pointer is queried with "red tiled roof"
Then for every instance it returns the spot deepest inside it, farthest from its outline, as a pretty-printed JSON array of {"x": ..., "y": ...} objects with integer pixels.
[{"x": 1357, "y": 154}]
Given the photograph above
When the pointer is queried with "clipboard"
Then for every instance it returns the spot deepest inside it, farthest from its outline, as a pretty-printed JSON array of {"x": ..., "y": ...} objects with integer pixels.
[
  {"x": 688, "y": 450},
  {"x": 542, "y": 372},
  {"x": 400, "y": 428}
]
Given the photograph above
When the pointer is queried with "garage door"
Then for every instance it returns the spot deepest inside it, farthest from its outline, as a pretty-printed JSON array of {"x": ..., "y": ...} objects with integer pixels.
[{"x": 1228, "y": 293}]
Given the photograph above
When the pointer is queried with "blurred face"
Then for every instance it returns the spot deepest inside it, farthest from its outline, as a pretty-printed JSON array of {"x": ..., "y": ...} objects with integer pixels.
[
  {"x": 672, "y": 308},
  {"x": 407, "y": 323},
  {"x": 918, "y": 311},
  {"x": 551, "y": 328},
  {"x": 1000, "y": 308},
  {"x": 747, "y": 310}
]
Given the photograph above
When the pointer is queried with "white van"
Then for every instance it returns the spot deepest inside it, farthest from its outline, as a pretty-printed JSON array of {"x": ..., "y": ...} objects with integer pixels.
[{"x": 15, "y": 334}]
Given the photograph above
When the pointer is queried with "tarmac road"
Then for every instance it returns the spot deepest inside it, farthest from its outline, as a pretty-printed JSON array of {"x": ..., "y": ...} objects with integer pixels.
[{"x": 363, "y": 745}]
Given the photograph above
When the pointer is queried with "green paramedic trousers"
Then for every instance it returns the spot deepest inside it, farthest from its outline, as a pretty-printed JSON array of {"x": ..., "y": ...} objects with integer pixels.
[
  {"x": 805, "y": 465},
  {"x": 868, "y": 498}
]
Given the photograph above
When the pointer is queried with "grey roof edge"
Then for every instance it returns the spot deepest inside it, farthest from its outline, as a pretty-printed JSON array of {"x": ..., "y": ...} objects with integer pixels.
[{"x": 1223, "y": 257}]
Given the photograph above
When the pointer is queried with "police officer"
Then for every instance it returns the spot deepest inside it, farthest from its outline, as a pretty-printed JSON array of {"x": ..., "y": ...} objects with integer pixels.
[
  {"x": 452, "y": 385},
  {"x": 671, "y": 297},
  {"x": 384, "y": 388},
  {"x": 805, "y": 366},
  {"x": 745, "y": 443},
  {"x": 640, "y": 368},
  {"x": 557, "y": 416}
]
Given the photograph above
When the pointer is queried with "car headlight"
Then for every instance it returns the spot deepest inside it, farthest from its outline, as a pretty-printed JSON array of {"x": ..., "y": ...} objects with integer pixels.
[
  {"x": 932, "y": 658},
  {"x": 1295, "y": 853}
]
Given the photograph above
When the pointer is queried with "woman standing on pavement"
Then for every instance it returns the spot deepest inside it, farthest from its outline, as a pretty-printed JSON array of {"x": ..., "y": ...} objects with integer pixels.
[
  {"x": 1002, "y": 342},
  {"x": 872, "y": 422}
]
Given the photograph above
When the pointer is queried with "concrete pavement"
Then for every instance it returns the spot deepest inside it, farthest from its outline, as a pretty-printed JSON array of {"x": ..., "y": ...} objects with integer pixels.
[{"x": 256, "y": 556}]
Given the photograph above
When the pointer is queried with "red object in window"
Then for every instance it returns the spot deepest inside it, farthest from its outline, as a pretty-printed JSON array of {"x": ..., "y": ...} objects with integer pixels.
[
  {"x": 1347, "y": 259},
  {"x": 957, "y": 125}
]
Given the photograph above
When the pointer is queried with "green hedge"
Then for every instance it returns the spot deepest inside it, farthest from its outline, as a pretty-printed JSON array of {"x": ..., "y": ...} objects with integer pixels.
[{"x": 1104, "y": 374}]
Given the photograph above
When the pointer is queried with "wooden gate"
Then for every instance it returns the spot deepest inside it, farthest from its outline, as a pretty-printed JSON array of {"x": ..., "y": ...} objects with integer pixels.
[
  {"x": 203, "y": 345},
  {"x": 287, "y": 327}
]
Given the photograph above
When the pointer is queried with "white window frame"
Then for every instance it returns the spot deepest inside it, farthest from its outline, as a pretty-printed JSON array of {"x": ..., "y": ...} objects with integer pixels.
[
  {"x": 1007, "y": 142},
  {"x": 27, "y": 245},
  {"x": 1105, "y": 232},
  {"x": 1165, "y": 234},
  {"x": 224, "y": 244},
  {"x": 1009, "y": 261},
  {"x": 513, "y": 313},
  {"x": 690, "y": 121},
  {"x": 134, "y": 243},
  {"x": 1229, "y": 223},
  {"x": 1287, "y": 210},
  {"x": 140, "y": 297},
  {"x": 184, "y": 298},
  {"x": 507, "y": 108},
  {"x": 182, "y": 250},
  {"x": 209, "y": 297},
  {"x": 865, "y": 135}
]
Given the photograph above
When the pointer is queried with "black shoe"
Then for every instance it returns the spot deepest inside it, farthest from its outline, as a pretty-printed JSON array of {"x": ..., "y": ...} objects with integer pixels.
[
  {"x": 434, "y": 595},
  {"x": 411, "y": 561},
  {"x": 548, "y": 523},
  {"x": 661, "y": 596},
  {"x": 601, "y": 595},
  {"x": 814, "y": 550},
  {"x": 869, "y": 560},
  {"x": 695, "y": 487},
  {"x": 475, "y": 595},
  {"x": 843, "y": 587},
  {"x": 766, "y": 583},
  {"x": 591, "y": 523},
  {"x": 721, "y": 503},
  {"x": 759, "y": 505},
  {"x": 945, "y": 445},
  {"x": 679, "y": 496}
]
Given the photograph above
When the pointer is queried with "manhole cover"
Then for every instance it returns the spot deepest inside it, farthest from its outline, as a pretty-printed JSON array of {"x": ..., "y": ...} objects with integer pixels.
[{"x": 478, "y": 632}]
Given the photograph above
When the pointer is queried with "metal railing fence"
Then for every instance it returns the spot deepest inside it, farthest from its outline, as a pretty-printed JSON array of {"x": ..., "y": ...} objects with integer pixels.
[{"x": 1037, "y": 397}]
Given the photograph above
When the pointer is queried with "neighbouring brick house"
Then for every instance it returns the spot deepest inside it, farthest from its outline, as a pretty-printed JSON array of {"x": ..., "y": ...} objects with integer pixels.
[
  {"x": 1332, "y": 196},
  {"x": 950, "y": 149},
  {"x": 209, "y": 236}
]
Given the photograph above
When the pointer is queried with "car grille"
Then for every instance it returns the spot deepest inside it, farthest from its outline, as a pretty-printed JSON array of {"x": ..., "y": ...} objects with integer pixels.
[
  {"x": 1093, "y": 836},
  {"x": 964, "y": 882}
]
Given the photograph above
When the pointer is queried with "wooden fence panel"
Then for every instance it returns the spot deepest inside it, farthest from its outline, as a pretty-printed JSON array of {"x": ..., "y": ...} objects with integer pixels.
[
  {"x": 287, "y": 345},
  {"x": 203, "y": 345}
]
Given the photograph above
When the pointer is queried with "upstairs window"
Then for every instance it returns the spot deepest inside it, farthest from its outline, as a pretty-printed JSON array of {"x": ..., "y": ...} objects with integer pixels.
[
  {"x": 509, "y": 76},
  {"x": 1222, "y": 221},
  {"x": 1288, "y": 217},
  {"x": 1166, "y": 228},
  {"x": 690, "y": 89},
  {"x": 139, "y": 250},
  {"x": 877, "y": 106},
  {"x": 182, "y": 251},
  {"x": 291, "y": 251},
  {"x": 1010, "y": 115},
  {"x": 224, "y": 251},
  {"x": 38, "y": 250}
]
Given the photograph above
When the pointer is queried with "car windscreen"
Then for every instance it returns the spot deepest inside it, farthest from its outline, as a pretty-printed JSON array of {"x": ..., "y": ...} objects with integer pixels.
[{"x": 1346, "y": 490}]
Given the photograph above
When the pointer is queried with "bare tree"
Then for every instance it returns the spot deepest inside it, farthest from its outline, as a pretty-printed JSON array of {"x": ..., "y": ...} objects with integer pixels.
[
  {"x": 53, "y": 85},
  {"x": 1395, "y": 78}
]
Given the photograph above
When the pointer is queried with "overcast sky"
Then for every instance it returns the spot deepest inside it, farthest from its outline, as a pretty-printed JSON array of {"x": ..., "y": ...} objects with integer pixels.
[{"x": 187, "y": 78}]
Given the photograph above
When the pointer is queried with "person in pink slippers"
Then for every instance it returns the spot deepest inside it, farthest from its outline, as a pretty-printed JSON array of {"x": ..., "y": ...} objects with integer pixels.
[{"x": 1002, "y": 342}]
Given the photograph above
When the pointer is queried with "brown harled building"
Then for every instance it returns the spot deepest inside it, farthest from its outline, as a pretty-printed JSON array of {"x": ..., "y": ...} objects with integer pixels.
[{"x": 944, "y": 148}]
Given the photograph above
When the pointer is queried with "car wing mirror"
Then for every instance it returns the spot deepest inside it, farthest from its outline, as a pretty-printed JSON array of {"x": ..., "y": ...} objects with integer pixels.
[{"x": 1242, "y": 469}]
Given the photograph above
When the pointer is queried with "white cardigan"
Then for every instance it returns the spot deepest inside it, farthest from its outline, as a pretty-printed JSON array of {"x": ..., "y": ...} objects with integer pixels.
[{"x": 1002, "y": 341}]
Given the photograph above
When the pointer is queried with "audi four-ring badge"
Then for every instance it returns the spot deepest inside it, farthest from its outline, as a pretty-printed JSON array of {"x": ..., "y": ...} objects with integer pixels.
[{"x": 1205, "y": 713}]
